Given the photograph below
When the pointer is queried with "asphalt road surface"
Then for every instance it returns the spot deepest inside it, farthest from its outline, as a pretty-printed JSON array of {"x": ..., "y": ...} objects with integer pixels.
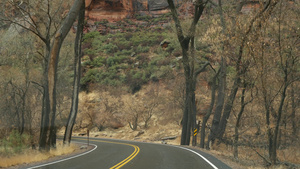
[{"x": 115, "y": 154}]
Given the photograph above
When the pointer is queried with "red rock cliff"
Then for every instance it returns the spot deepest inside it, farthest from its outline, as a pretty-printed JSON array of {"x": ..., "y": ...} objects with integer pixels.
[{"x": 120, "y": 9}]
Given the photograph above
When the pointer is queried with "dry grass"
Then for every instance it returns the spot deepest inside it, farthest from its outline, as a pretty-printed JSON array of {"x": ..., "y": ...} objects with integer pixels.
[
  {"x": 249, "y": 159},
  {"x": 30, "y": 156},
  {"x": 291, "y": 154}
]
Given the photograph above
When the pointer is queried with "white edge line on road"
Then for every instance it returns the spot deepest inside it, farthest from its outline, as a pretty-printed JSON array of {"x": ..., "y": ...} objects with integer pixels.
[
  {"x": 199, "y": 156},
  {"x": 58, "y": 161}
]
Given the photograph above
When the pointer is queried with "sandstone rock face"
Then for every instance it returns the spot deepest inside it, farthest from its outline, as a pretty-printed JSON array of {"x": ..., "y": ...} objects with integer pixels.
[
  {"x": 119, "y": 9},
  {"x": 107, "y": 9}
]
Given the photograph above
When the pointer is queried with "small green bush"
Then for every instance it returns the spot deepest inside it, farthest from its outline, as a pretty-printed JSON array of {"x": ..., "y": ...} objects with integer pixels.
[
  {"x": 102, "y": 22},
  {"x": 142, "y": 49},
  {"x": 110, "y": 48},
  {"x": 123, "y": 44},
  {"x": 111, "y": 61},
  {"x": 144, "y": 17},
  {"x": 130, "y": 22},
  {"x": 98, "y": 62},
  {"x": 90, "y": 76},
  {"x": 14, "y": 143},
  {"x": 91, "y": 35}
]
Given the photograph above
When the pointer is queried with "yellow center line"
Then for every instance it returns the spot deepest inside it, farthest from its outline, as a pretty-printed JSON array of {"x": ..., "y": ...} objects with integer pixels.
[{"x": 126, "y": 160}]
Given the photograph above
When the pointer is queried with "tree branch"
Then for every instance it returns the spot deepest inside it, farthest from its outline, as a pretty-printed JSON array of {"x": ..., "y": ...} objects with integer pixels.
[
  {"x": 201, "y": 69},
  {"x": 179, "y": 30}
]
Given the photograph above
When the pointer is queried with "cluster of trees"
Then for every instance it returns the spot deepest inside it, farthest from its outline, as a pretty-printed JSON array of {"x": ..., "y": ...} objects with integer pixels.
[
  {"x": 257, "y": 65},
  {"x": 50, "y": 23},
  {"x": 117, "y": 109}
]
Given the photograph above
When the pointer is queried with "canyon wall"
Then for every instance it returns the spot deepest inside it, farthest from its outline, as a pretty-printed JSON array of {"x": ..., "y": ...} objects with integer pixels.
[{"x": 119, "y": 9}]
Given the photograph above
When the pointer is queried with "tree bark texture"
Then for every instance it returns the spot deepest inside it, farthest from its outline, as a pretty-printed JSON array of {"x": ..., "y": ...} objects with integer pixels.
[
  {"x": 228, "y": 107},
  {"x": 294, "y": 106},
  {"x": 77, "y": 74},
  {"x": 237, "y": 124},
  {"x": 211, "y": 106},
  {"x": 45, "y": 105},
  {"x": 188, "y": 64},
  {"x": 220, "y": 103},
  {"x": 49, "y": 111}
]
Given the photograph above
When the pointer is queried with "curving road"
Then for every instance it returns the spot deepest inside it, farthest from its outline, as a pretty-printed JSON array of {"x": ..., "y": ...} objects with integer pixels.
[{"x": 115, "y": 154}]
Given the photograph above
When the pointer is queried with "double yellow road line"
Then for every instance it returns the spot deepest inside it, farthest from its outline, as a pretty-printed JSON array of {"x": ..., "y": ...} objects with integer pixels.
[
  {"x": 126, "y": 160},
  {"x": 129, "y": 158}
]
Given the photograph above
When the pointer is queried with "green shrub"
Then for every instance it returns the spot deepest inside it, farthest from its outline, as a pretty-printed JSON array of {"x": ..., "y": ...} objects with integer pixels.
[
  {"x": 98, "y": 62},
  {"x": 15, "y": 143},
  {"x": 91, "y": 35},
  {"x": 130, "y": 22},
  {"x": 142, "y": 49},
  {"x": 111, "y": 82},
  {"x": 110, "y": 48},
  {"x": 90, "y": 76},
  {"x": 123, "y": 44},
  {"x": 102, "y": 22},
  {"x": 90, "y": 52},
  {"x": 111, "y": 61},
  {"x": 144, "y": 17},
  {"x": 112, "y": 25}
]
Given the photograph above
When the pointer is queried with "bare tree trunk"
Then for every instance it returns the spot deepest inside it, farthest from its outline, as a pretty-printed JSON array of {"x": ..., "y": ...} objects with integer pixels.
[
  {"x": 135, "y": 122},
  {"x": 273, "y": 155},
  {"x": 207, "y": 115},
  {"x": 24, "y": 96},
  {"x": 50, "y": 75},
  {"x": 54, "y": 58},
  {"x": 228, "y": 107},
  {"x": 220, "y": 103},
  {"x": 45, "y": 105},
  {"x": 237, "y": 124},
  {"x": 285, "y": 66},
  {"x": 187, "y": 120},
  {"x": 293, "y": 114},
  {"x": 77, "y": 74},
  {"x": 222, "y": 85}
]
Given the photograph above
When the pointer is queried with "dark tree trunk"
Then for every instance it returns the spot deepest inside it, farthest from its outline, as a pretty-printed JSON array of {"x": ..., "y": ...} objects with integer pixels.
[
  {"x": 54, "y": 58},
  {"x": 220, "y": 103},
  {"x": 293, "y": 114},
  {"x": 45, "y": 105},
  {"x": 194, "y": 120},
  {"x": 228, "y": 107},
  {"x": 188, "y": 63},
  {"x": 24, "y": 96},
  {"x": 222, "y": 84},
  {"x": 237, "y": 124},
  {"x": 211, "y": 106},
  {"x": 187, "y": 114},
  {"x": 273, "y": 145},
  {"x": 77, "y": 74},
  {"x": 50, "y": 75}
]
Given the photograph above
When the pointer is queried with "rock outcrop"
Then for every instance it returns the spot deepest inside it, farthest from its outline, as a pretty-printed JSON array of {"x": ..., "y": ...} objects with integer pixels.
[{"x": 119, "y": 9}]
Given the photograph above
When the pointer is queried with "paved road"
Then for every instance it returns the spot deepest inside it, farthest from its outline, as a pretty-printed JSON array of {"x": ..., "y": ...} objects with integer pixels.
[{"x": 115, "y": 154}]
